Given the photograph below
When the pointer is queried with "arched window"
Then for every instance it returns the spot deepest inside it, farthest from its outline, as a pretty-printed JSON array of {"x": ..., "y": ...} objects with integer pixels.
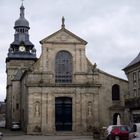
[
  {"x": 63, "y": 67},
  {"x": 116, "y": 119},
  {"x": 115, "y": 92}
]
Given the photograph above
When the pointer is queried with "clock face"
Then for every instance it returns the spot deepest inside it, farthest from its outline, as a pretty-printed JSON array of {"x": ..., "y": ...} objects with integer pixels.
[{"x": 22, "y": 48}]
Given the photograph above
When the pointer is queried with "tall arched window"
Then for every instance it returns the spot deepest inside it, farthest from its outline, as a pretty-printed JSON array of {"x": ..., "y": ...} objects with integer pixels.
[
  {"x": 63, "y": 67},
  {"x": 115, "y": 92}
]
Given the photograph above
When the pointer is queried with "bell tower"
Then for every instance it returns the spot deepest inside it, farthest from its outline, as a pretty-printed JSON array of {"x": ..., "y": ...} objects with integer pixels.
[
  {"x": 21, "y": 48},
  {"x": 21, "y": 56}
]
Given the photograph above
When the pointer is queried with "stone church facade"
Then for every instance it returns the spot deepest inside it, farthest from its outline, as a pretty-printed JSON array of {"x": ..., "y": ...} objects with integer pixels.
[{"x": 61, "y": 90}]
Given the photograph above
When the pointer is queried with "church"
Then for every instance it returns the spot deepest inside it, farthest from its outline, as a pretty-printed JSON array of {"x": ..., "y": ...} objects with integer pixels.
[{"x": 61, "y": 91}]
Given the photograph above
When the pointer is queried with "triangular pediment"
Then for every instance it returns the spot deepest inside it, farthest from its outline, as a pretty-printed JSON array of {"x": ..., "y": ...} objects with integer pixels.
[{"x": 63, "y": 36}]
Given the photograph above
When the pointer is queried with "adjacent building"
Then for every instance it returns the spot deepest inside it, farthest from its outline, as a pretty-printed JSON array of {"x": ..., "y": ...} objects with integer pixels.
[
  {"x": 132, "y": 100},
  {"x": 2, "y": 111},
  {"x": 61, "y": 90}
]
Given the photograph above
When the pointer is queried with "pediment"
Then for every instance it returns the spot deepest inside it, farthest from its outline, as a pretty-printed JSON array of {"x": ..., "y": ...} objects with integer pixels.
[{"x": 63, "y": 36}]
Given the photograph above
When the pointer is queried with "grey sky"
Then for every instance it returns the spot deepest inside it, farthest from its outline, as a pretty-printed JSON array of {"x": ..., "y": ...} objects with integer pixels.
[{"x": 111, "y": 28}]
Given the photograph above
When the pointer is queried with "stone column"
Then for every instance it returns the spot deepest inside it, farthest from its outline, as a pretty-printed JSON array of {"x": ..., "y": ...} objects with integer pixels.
[
  {"x": 44, "y": 58},
  {"x": 84, "y": 124},
  {"x": 50, "y": 107},
  {"x": 44, "y": 113},
  {"x": 82, "y": 60},
  {"x": 78, "y": 111},
  {"x": 30, "y": 114},
  {"x": 49, "y": 57},
  {"x": 96, "y": 109},
  {"x": 77, "y": 60}
]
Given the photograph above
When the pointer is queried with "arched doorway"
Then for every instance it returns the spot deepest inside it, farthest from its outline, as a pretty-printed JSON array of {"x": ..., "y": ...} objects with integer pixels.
[
  {"x": 115, "y": 118},
  {"x": 63, "y": 113}
]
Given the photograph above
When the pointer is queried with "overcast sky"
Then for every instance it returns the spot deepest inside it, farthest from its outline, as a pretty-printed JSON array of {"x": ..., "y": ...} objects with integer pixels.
[{"x": 111, "y": 28}]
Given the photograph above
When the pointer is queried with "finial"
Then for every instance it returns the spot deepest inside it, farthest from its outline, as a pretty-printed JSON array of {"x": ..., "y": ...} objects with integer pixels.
[
  {"x": 63, "y": 22},
  {"x": 22, "y": 10},
  {"x": 22, "y": 1}
]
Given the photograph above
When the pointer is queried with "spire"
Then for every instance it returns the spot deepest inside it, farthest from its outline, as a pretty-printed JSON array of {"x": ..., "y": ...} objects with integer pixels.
[
  {"x": 63, "y": 22},
  {"x": 22, "y": 10},
  {"x": 21, "y": 28},
  {"x": 21, "y": 47},
  {"x": 22, "y": 1},
  {"x": 22, "y": 21}
]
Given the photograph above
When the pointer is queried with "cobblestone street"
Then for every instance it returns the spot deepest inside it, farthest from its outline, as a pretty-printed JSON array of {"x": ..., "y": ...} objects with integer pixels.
[
  {"x": 29, "y": 137},
  {"x": 19, "y": 135}
]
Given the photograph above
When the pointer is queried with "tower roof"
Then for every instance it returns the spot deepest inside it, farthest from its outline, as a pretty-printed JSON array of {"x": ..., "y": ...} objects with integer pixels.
[
  {"x": 135, "y": 61},
  {"x": 21, "y": 21},
  {"x": 21, "y": 39}
]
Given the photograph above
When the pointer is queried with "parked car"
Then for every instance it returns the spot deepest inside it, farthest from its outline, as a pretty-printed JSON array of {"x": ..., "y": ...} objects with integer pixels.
[
  {"x": 15, "y": 126},
  {"x": 135, "y": 131},
  {"x": 1, "y": 135},
  {"x": 117, "y": 132},
  {"x": 136, "y": 138}
]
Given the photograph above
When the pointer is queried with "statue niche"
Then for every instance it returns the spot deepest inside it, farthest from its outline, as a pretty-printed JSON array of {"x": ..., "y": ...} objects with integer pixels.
[{"x": 37, "y": 109}]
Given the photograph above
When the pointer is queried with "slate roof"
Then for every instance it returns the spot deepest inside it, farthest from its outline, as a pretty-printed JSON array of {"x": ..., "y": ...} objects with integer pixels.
[
  {"x": 135, "y": 61},
  {"x": 22, "y": 22}
]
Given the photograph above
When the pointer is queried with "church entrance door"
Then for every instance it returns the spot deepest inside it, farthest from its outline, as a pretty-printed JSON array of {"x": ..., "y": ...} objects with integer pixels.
[{"x": 63, "y": 114}]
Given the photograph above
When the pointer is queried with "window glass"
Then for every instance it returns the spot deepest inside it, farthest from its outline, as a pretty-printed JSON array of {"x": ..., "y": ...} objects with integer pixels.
[
  {"x": 134, "y": 79},
  {"x": 123, "y": 128},
  {"x": 115, "y": 92},
  {"x": 63, "y": 67}
]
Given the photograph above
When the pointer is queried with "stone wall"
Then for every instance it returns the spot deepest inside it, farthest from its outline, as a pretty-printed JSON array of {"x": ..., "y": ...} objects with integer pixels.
[{"x": 84, "y": 108}]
